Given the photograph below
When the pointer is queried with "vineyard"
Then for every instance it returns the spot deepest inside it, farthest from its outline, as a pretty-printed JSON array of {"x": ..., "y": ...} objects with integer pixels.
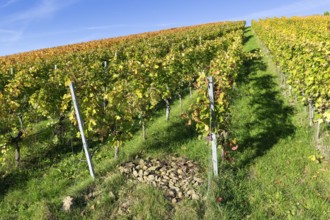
[
  {"x": 120, "y": 81},
  {"x": 300, "y": 47},
  {"x": 155, "y": 108}
]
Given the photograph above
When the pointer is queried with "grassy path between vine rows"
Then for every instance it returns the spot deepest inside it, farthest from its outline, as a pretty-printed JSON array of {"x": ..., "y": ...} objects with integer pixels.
[{"x": 273, "y": 176}]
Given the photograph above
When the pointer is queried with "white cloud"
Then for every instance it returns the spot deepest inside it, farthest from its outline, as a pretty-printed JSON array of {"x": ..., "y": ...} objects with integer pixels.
[
  {"x": 5, "y": 31},
  {"x": 7, "y": 3},
  {"x": 97, "y": 28},
  {"x": 43, "y": 9},
  {"x": 164, "y": 24},
  {"x": 105, "y": 27},
  {"x": 127, "y": 25},
  {"x": 10, "y": 36},
  {"x": 12, "y": 27},
  {"x": 297, "y": 8}
]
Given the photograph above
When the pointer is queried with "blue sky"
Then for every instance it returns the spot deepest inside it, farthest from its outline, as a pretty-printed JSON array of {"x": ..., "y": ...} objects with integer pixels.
[{"x": 33, "y": 24}]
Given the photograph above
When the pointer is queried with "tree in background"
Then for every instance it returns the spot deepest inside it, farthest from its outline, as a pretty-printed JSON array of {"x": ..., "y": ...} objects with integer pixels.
[{"x": 326, "y": 13}]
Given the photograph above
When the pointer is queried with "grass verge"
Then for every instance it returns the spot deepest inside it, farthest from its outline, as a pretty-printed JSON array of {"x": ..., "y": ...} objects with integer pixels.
[{"x": 274, "y": 175}]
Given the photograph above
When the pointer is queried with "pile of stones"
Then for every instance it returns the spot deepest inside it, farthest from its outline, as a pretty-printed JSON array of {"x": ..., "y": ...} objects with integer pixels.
[{"x": 177, "y": 176}]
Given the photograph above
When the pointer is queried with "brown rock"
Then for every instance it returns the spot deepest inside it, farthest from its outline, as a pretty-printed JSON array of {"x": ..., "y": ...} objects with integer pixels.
[
  {"x": 179, "y": 194},
  {"x": 190, "y": 192},
  {"x": 171, "y": 193},
  {"x": 153, "y": 168},
  {"x": 141, "y": 162},
  {"x": 174, "y": 201},
  {"x": 67, "y": 203},
  {"x": 194, "y": 196},
  {"x": 199, "y": 180},
  {"x": 151, "y": 177}
]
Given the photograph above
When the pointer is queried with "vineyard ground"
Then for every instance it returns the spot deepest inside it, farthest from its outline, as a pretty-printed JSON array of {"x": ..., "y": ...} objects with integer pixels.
[{"x": 274, "y": 175}]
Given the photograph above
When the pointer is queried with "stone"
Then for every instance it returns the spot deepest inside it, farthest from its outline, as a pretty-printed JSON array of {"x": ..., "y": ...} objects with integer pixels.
[
  {"x": 171, "y": 193},
  {"x": 190, "y": 164},
  {"x": 194, "y": 196},
  {"x": 177, "y": 176},
  {"x": 174, "y": 201},
  {"x": 130, "y": 164},
  {"x": 190, "y": 192},
  {"x": 172, "y": 175},
  {"x": 67, "y": 203},
  {"x": 199, "y": 180},
  {"x": 179, "y": 194},
  {"x": 153, "y": 168}
]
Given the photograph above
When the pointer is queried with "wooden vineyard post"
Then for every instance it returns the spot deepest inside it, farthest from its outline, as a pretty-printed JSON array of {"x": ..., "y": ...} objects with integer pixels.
[
  {"x": 143, "y": 130},
  {"x": 168, "y": 109},
  {"x": 105, "y": 85},
  {"x": 290, "y": 90},
  {"x": 284, "y": 85},
  {"x": 212, "y": 123},
  {"x": 81, "y": 129},
  {"x": 318, "y": 129},
  {"x": 311, "y": 113},
  {"x": 180, "y": 101}
]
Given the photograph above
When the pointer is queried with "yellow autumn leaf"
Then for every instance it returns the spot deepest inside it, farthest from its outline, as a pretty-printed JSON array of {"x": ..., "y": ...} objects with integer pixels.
[
  {"x": 327, "y": 115},
  {"x": 93, "y": 122},
  {"x": 312, "y": 157},
  {"x": 138, "y": 93},
  {"x": 67, "y": 82}
]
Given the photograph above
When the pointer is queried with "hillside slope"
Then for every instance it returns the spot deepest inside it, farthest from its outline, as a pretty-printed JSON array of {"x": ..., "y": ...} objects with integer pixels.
[{"x": 273, "y": 176}]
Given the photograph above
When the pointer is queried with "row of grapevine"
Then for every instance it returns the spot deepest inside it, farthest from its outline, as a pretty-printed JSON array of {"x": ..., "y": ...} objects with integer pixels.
[
  {"x": 118, "y": 81},
  {"x": 224, "y": 69},
  {"x": 300, "y": 46}
]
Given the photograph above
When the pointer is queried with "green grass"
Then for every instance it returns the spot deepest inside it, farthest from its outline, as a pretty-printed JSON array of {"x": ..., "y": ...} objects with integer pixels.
[
  {"x": 35, "y": 189},
  {"x": 272, "y": 177},
  {"x": 273, "y": 174}
]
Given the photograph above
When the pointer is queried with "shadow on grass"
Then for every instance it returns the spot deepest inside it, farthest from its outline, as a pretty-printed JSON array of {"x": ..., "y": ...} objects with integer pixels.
[
  {"x": 168, "y": 139},
  {"x": 270, "y": 118},
  {"x": 260, "y": 120},
  {"x": 264, "y": 118},
  {"x": 39, "y": 154},
  {"x": 247, "y": 39}
]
